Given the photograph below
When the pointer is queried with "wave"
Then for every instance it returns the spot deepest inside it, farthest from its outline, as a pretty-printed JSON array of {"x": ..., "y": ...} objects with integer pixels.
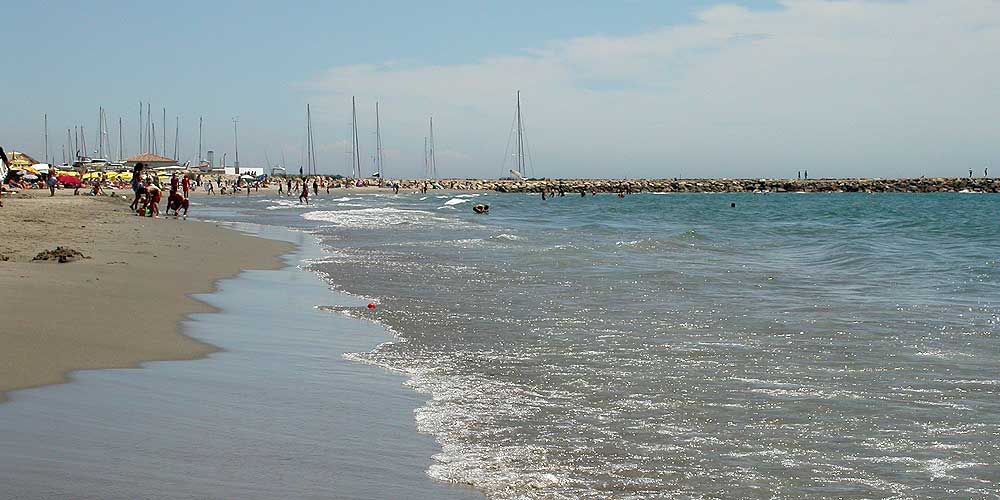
[{"x": 372, "y": 217}]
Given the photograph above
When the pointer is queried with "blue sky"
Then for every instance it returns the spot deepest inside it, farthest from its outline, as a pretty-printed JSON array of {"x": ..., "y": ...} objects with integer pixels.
[{"x": 637, "y": 88}]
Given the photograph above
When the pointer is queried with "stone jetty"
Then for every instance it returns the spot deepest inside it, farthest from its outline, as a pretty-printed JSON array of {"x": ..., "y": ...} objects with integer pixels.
[{"x": 919, "y": 185}]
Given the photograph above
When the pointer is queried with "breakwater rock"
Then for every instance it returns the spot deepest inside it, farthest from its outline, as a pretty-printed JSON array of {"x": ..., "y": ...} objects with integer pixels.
[{"x": 919, "y": 185}]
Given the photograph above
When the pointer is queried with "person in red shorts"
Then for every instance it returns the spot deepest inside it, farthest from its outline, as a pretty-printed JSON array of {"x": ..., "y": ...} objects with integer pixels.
[
  {"x": 305, "y": 193},
  {"x": 153, "y": 197},
  {"x": 186, "y": 187},
  {"x": 176, "y": 202}
]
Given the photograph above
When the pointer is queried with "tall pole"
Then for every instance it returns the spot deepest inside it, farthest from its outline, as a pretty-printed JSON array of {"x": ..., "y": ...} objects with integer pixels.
[
  {"x": 427, "y": 171},
  {"x": 177, "y": 129},
  {"x": 100, "y": 141},
  {"x": 121, "y": 141},
  {"x": 357, "y": 153},
  {"x": 152, "y": 132},
  {"x": 199, "y": 140},
  {"x": 378, "y": 143},
  {"x": 433, "y": 162},
  {"x": 46, "y": 118},
  {"x": 520, "y": 139},
  {"x": 150, "y": 144},
  {"x": 139, "y": 129},
  {"x": 236, "y": 141},
  {"x": 309, "y": 135},
  {"x": 164, "y": 143},
  {"x": 69, "y": 142}
]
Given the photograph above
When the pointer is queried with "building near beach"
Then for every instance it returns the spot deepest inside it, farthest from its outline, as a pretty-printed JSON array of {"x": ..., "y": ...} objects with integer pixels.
[
  {"x": 150, "y": 160},
  {"x": 19, "y": 159}
]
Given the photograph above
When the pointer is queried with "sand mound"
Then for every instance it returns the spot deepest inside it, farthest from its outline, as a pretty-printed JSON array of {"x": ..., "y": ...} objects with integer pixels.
[{"x": 60, "y": 254}]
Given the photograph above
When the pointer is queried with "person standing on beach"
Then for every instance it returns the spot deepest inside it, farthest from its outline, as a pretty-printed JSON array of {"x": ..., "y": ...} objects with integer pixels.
[
  {"x": 137, "y": 186},
  {"x": 186, "y": 186},
  {"x": 174, "y": 183},
  {"x": 3, "y": 172},
  {"x": 52, "y": 181}
]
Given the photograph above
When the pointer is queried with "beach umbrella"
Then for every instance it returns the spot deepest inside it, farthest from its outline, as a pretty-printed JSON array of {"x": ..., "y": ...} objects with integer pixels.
[
  {"x": 41, "y": 168},
  {"x": 31, "y": 177},
  {"x": 69, "y": 181}
]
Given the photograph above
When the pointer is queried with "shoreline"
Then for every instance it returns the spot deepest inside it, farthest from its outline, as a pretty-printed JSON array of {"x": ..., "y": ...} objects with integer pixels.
[
  {"x": 121, "y": 305},
  {"x": 176, "y": 427}
]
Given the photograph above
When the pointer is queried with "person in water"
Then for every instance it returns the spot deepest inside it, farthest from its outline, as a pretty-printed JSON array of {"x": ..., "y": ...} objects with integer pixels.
[
  {"x": 305, "y": 194},
  {"x": 315, "y": 186}
]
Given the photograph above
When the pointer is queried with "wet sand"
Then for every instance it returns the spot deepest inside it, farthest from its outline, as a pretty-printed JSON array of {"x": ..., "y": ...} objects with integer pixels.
[
  {"x": 278, "y": 414},
  {"x": 121, "y": 305}
]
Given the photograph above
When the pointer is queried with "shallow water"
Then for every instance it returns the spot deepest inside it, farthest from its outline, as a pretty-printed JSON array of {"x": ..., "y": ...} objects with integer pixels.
[
  {"x": 826, "y": 345},
  {"x": 278, "y": 414}
]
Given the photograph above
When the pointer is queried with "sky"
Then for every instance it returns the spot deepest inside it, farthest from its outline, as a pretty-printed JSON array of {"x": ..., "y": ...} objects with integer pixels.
[{"x": 629, "y": 88}]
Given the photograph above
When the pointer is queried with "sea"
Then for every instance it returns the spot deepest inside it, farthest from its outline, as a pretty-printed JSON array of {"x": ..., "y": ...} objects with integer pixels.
[{"x": 678, "y": 345}]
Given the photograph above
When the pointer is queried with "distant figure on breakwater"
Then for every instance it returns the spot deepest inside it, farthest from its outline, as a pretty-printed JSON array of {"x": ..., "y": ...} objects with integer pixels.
[
  {"x": 970, "y": 173},
  {"x": 986, "y": 172},
  {"x": 799, "y": 173},
  {"x": 805, "y": 175}
]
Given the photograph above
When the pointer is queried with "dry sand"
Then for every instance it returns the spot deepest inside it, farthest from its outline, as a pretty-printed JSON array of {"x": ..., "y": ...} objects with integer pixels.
[{"x": 121, "y": 305}]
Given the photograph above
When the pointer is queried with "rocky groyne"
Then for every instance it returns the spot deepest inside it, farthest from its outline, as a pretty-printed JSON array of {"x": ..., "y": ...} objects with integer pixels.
[{"x": 919, "y": 185}]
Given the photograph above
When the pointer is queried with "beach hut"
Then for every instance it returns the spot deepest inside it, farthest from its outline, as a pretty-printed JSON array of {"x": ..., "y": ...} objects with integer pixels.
[
  {"x": 19, "y": 159},
  {"x": 150, "y": 160}
]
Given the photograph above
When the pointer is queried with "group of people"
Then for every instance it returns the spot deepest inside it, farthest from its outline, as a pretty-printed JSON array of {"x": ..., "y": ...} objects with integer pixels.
[{"x": 148, "y": 194}]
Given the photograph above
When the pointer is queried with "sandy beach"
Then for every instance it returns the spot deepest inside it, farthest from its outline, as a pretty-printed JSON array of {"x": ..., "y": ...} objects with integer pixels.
[{"x": 122, "y": 303}]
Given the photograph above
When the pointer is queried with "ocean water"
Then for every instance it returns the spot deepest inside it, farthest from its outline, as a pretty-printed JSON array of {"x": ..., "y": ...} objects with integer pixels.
[{"x": 657, "y": 346}]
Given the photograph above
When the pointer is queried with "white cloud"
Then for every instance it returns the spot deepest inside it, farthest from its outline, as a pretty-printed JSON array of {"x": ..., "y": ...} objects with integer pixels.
[{"x": 841, "y": 88}]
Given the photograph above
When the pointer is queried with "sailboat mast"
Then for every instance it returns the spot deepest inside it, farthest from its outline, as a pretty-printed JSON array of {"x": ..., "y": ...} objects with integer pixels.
[
  {"x": 139, "y": 129},
  {"x": 100, "y": 142},
  {"x": 378, "y": 143},
  {"x": 520, "y": 138},
  {"x": 164, "y": 129},
  {"x": 427, "y": 173},
  {"x": 177, "y": 129},
  {"x": 199, "y": 140},
  {"x": 433, "y": 160},
  {"x": 46, "y": 119},
  {"x": 357, "y": 152},
  {"x": 121, "y": 141},
  {"x": 309, "y": 136},
  {"x": 69, "y": 141}
]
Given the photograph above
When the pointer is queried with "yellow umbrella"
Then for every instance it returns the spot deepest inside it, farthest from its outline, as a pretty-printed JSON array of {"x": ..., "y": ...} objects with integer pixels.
[{"x": 68, "y": 172}]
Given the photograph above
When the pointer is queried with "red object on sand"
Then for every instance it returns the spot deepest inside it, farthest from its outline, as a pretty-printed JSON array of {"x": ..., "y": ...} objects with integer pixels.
[
  {"x": 69, "y": 181},
  {"x": 371, "y": 306}
]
